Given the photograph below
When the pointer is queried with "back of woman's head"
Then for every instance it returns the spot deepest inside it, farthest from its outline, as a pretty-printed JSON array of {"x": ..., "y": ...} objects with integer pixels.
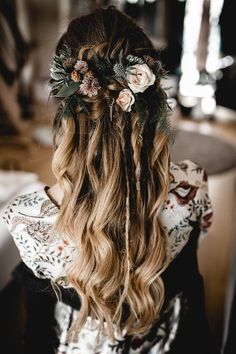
[{"x": 111, "y": 160}]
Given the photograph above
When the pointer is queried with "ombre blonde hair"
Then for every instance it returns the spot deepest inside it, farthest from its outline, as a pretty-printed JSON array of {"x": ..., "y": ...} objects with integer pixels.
[{"x": 114, "y": 183}]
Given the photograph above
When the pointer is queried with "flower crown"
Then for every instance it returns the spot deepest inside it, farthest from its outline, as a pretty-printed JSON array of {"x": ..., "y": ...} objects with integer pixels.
[{"x": 73, "y": 80}]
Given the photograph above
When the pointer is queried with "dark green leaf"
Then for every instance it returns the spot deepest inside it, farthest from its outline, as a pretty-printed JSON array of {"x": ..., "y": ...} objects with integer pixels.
[{"x": 67, "y": 91}]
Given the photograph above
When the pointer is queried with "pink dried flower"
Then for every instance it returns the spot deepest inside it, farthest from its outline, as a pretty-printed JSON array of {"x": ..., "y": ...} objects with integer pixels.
[
  {"x": 68, "y": 63},
  {"x": 90, "y": 85},
  {"x": 95, "y": 85},
  {"x": 81, "y": 66}
]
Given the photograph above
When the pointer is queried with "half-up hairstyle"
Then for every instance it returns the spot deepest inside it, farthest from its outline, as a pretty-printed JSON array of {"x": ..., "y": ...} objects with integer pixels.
[{"x": 114, "y": 174}]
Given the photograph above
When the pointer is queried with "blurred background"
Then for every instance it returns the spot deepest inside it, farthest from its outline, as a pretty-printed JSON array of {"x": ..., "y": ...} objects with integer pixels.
[{"x": 195, "y": 39}]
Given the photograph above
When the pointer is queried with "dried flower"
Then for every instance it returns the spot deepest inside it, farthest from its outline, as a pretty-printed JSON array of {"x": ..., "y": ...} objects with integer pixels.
[
  {"x": 89, "y": 76},
  {"x": 81, "y": 66},
  {"x": 90, "y": 85},
  {"x": 75, "y": 76},
  {"x": 69, "y": 63}
]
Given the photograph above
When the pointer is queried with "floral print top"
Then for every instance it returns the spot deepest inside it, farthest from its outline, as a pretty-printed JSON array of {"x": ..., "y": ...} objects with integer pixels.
[{"x": 30, "y": 218}]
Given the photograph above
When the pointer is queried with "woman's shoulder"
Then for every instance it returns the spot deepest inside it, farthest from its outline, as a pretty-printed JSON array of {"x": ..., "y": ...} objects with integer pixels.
[
  {"x": 188, "y": 204},
  {"x": 190, "y": 171},
  {"x": 29, "y": 219},
  {"x": 189, "y": 186},
  {"x": 31, "y": 206}
]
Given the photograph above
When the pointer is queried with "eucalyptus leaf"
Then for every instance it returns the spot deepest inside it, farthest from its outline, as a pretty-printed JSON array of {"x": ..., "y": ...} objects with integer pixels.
[
  {"x": 132, "y": 59},
  {"x": 57, "y": 76},
  {"x": 67, "y": 91},
  {"x": 121, "y": 56}
]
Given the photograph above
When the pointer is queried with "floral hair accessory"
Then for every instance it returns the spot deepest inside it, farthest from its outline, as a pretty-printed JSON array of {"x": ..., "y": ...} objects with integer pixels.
[
  {"x": 67, "y": 82},
  {"x": 73, "y": 79}
]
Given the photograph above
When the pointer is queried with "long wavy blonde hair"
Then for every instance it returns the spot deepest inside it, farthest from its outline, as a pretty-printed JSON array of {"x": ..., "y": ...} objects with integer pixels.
[{"x": 114, "y": 186}]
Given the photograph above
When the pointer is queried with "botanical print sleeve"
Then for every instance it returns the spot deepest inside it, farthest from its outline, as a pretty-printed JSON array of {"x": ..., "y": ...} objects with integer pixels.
[
  {"x": 204, "y": 208},
  {"x": 187, "y": 206},
  {"x": 202, "y": 201},
  {"x": 29, "y": 219}
]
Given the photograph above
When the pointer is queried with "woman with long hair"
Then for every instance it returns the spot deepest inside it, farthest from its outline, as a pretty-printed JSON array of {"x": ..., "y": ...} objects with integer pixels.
[{"x": 119, "y": 229}]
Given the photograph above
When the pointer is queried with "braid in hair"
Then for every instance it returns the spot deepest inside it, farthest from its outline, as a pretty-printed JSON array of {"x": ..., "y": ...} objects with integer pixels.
[
  {"x": 121, "y": 131},
  {"x": 137, "y": 144}
]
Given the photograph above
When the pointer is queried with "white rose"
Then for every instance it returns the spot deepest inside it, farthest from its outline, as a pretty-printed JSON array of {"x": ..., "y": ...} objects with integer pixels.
[
  {"x": 125, "y": 100},
  {"x": 140, "y": 77}
]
